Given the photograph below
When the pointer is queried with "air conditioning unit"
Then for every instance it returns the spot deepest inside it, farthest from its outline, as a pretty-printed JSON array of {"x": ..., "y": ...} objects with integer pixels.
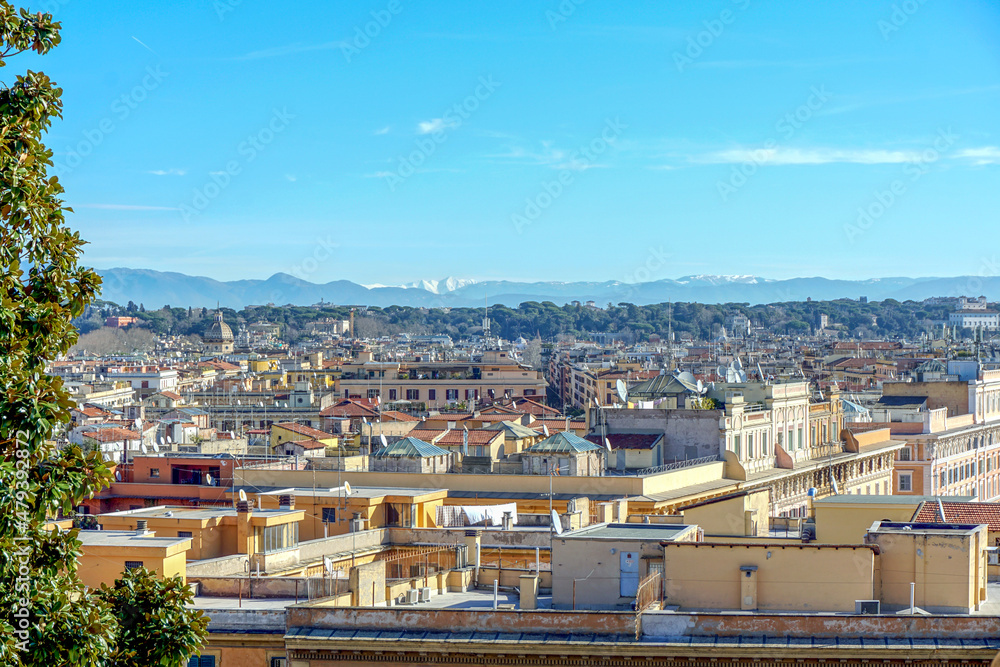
[
  {"x": 412, "y": 596},
  {"x": 425, "y": 594},
  {"x": 867, "y": 607}
]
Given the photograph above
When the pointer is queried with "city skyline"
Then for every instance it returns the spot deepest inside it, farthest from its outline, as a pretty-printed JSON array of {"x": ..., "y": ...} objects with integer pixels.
[{"x": 733, "y": 138}]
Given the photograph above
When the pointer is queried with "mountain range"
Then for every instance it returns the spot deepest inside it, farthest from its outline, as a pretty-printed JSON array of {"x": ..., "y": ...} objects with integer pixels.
[{"x": 153, "y": 289}]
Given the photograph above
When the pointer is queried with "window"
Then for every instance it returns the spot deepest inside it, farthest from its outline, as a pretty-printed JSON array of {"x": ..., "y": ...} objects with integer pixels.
[
  {"x": 154, "y": 472},
  {"x": 904, "y": 454},
  {"x": 133, "y": 564},
  {"x": 529, "y": 392},
  {"x": 432, "y": 394},
  {"x": 944, "y": 478},
  {"x": 392, "y": 394},
  {"x": 278, "y": 662},
  {"x": 801, "y": 438},
  {"x": 451, "y": 394},
  {"x": 413, "y": 394},
  {"x": 905, "y": 481},
  {"x": 372, "y": 393},
  {"x": 278, "y": 538},
  {"x": 736, "y": 445},
  {"x": 183, "y": 533},
  {"x": 202, "y": 661},
  {"x": 749, "y": 445},
  {"x": 329, "y": 515}
]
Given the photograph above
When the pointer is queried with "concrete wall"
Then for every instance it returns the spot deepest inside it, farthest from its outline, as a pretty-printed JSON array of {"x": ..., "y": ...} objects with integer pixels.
[
  {"x": 948, "y": 568},
  {"x": 687, "y": 434},
  {"x": 462, "y": 620},
  {"x": 660, "y": 625},
  {"x": 847, "y": 523},
  {"x": 951, "y": 395},
  {"x": 597, "y": 571},
  {"x": 707, "y": 576},
  {"x": 218, "y": 567},
  {"x": 368, "y": 584},
  {"x": 360, "y": 541},
  {"x": 301, "y": 588},
  {"x": 729, "y": 517}
]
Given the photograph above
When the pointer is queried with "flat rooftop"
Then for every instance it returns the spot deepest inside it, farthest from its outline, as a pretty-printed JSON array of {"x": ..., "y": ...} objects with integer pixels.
[
  {"x": 628, "y": 531},
  {"x": 889, "y": 500},
  {"x": 126, "y": 538},
  {"x": 168, "y": 512},
  {"x": 326, "y": 492}
]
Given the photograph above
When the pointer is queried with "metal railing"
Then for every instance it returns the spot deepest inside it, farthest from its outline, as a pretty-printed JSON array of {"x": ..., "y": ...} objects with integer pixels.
[
  {"x": 679, "y": 464},
  {"x": 648, "y": 595}
]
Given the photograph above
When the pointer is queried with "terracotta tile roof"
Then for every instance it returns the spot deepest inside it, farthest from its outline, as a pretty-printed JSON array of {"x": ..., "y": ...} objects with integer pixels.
[
  {"x": 307, "y": 444},
  {"x": 426, "y": 434},
  {"x": 476, "y": 437},
  {"x": 111, "y": 435},
  {"x": 92, "y": 412},
  {"x": 171, "y": 395},
  {"x": 965, "y": 513},
  {"x": 308, "y": 431},
  {"x": 488, "y": 418},
  {"x": 350, "y": 408},
  {"x": 558, "y": 423},
  {"x": 397, "y": 416}
]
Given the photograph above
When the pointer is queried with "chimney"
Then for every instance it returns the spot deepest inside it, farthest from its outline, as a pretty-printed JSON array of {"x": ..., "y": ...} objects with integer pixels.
[
  {"x": 286, "y": 502},
  {"x": 140, "y": 527},
  {"x": 244, "y": 530}
]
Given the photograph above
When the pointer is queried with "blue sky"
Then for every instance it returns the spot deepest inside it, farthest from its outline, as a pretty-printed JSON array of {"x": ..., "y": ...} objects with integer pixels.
[{"x": 390, "y": 141}]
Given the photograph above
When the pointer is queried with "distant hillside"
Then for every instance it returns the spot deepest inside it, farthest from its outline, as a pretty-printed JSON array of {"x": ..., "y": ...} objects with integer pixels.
[{"x": 155, "y": 289}]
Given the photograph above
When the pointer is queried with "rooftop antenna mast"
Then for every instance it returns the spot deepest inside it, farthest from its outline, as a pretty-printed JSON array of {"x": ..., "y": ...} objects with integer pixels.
[{"x": 670, "y": 336}]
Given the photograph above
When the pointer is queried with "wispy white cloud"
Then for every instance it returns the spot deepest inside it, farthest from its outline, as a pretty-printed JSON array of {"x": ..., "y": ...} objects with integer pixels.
[
  {"x": 547, "y": 156},
  {"x": 167, "y": 172},
  {"x": 291, "y": 178},
  {"x": 289, "y": 49},
  {"x": 128, "y": 207},
  {"x": 433, "y": 125},
  {"x": 786, "y": 156},
  {"x": 382, "y": 130},
  {"x": 980, "y": 156}
]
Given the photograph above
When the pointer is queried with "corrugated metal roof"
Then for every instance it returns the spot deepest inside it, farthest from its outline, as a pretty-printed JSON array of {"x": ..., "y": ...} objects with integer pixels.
[{"x": 410, "y": 448}]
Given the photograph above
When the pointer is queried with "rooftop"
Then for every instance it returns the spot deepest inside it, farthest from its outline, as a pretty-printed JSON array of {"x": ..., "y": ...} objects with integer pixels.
[
  {"x": 888, "y": 500},
  {"x": 629, "y": 531}
]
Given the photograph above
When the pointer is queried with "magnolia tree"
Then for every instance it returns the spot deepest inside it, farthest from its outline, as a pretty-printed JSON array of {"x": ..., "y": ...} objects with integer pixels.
[{"x": 47, "y": 616}]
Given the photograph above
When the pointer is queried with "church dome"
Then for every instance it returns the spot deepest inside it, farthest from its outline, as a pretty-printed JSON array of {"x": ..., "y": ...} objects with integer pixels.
[{"x": 219, "y": 332}]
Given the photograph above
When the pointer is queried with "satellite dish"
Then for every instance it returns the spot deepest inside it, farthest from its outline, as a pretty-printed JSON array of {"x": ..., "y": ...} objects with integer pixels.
[
  {"x": 622, "y": 391},
  {"x": 118, "y": 475},
  {"x": 137, "y": 423},
  {"x": 720, "y": 371},
  {"x": 347, "y": 488},
  {"x": 381, "y": 438},
  {"x": 556, "y": 523},
  {"x": 545, "y": 430},
  {"x": 145, "y": 450},
  {"x": 169, "y": 441},
  {"x": 701, "y": 387},
  {"x": 243, "y": 496},
  {"x": 156, "y": 448},
  {"x": 364, "y": 421},
  {"x": 607, "y": 444},
  {"x": 209, "y": 480},
  {"x": 737, "y": 364}
]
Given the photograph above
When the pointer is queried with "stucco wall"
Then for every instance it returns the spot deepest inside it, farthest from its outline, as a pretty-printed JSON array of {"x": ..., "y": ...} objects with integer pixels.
[{"x": 788, "y": 578}]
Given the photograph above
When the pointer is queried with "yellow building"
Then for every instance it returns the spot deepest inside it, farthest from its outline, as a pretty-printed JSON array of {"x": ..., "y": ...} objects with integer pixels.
[
  {"x": 329, "y": 512},
  {"x": 845, "y": 519},
  {"x": 285, "y": 434},
  {"x": 946, "y": 563},
  {"x": 106, "y": 554},
  {"x": 213, "y": 531}
]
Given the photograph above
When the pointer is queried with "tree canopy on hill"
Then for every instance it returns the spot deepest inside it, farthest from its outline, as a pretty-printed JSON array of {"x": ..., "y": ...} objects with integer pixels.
[{"x": 530, "y": 319}]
